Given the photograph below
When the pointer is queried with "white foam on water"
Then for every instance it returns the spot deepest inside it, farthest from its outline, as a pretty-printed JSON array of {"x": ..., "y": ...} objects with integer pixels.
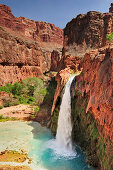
[{"x": 61, "y": 152}]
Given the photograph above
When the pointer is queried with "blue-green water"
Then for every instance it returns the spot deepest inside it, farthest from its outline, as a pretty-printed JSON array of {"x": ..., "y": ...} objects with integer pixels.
[
  {"x": 41, "y": 146},
  {"x": 49, "y": 156}
]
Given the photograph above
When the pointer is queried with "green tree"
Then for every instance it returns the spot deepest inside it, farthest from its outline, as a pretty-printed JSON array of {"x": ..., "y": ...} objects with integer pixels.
[{"x": 17, "y": 89}]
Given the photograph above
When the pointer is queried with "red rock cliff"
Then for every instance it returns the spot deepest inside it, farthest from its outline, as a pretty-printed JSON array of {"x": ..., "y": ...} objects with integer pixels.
[
  {"x": 26, "y": 46},
  {"x": 86, "y": 32},
  {"x": 97, "y": 76}
]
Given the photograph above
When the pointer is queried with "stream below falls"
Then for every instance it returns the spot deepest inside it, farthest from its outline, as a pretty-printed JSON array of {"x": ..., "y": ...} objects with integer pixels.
[{"x": 41, "y": 146}]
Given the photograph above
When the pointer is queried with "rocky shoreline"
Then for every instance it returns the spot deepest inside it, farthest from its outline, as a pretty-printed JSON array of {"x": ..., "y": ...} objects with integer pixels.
[{"x": 9, "y": 158}]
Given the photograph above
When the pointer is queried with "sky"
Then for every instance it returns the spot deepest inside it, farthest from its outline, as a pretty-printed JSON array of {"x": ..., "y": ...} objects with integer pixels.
[{"x": 58, "y": 12}]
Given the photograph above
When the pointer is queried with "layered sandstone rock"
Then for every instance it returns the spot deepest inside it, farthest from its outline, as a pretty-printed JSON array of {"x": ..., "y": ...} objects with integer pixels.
[
  {"x": 87, "y": 32},
  {"x": 26, "y": 46},
  {"x": 95, "y": 85},
  {"x": 97, "y": 76},
  {"x": 68, "y": 65}
]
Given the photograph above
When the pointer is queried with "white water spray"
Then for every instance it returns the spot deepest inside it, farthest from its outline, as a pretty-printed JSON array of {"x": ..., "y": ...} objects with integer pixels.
[{"x": 64, "y": 129}]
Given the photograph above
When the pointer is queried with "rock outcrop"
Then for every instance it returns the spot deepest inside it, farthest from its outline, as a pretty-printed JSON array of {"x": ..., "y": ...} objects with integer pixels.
[
  {"x": 97, "y": 77},
  {"x": 26, "y": 46},
  {"x": 95, "y": 85},
  {"x": 111, "y": 8},
  {"x": 87, "y": 32},
  {"x": 68, "y": 65}
]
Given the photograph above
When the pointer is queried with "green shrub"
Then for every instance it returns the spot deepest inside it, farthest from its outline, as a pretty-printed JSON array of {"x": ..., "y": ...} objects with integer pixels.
[
  {"x": 7, "y": 104},
  {"x": 23, "y": 100},
  {"x": 31, "y": 100},
  {"x": 3, "y": 119},
  {"x": 17, "y": 88},
  {"x": 7, "y": 88},
  {"x": 1, "y": 116},
  {"x": 15, "y": 102},
  {"x": 1, "y": 107},
  {"x": 31, "y": 83},
  {"x": 35, "y": 87},
  {"x": 109, "y": 37},
  {"x": 36, "y": 109},
  {"x": 31, "y": 91},
  {"x": 43, "y": 91},
  {"x": 50, "y": 91}
]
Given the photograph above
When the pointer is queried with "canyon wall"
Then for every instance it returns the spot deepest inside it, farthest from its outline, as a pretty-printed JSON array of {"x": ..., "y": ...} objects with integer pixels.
[
  {"x": 27, "y": 47},
  {"x": 92, "y": 94},
  {"x": 92, "y": 107},
  {"x": 87, "y": 32},
  {"x": 97, "y": 81}
]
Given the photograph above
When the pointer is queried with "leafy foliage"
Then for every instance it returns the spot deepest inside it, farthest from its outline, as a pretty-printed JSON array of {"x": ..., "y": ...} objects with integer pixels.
[
  {"x": 36, "y": 109},
  {"x": 4, "y": 119},
  {"x": 1, "y": 107},
  {"x": 7, "y": 88},
  {"x": 109, "y": 37},
  {"x": 31, "y": 91},
  {"x": 17, "y": 88}
]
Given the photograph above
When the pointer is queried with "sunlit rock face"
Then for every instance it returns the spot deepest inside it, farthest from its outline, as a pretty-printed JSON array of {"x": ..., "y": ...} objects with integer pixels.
[
  {"x": 67, "y": 65},
  {"x": 26, "y": 46},
  {"x": 98, "y": 84},
  {"x": 87, "y": 32}
]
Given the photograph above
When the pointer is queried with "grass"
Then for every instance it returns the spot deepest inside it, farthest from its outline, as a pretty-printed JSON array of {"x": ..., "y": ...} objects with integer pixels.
[{"x": 4, "y": 119}]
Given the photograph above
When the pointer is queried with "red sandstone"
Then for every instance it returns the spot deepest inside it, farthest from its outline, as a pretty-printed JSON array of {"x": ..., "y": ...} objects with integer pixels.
[{"x": 26, "y": 46}]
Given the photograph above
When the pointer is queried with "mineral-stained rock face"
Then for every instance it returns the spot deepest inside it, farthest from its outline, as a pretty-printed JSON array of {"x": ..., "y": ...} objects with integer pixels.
[
  {"x": 86, "y": 32},
  {"x": 26, "y": 46},
  {"x": 66, "y": 67},
  {"x": 98, "y": 82}
]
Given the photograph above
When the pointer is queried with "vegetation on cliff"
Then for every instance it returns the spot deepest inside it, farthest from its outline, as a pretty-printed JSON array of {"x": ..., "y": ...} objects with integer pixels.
[
  {"x": 109, "y": 37},
  {"x": 37, "y": 93},
  {"x": 86, "y": 132},
  {"x": 30, "y": 91}
]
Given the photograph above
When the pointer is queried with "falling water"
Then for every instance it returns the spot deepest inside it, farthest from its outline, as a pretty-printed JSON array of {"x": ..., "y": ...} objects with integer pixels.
[{"x": 64, "y": 130}]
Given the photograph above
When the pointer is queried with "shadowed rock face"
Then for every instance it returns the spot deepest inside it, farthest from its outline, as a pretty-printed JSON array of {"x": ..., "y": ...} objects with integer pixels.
[
  {"x": 86, "y": 32},
  {"x": 26, "y": 46},
  {"x": 111, "y": 8}
]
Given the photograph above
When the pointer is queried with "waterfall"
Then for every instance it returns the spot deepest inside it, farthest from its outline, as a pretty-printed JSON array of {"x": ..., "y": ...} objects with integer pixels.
[{"x": 64, "y": 129}]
